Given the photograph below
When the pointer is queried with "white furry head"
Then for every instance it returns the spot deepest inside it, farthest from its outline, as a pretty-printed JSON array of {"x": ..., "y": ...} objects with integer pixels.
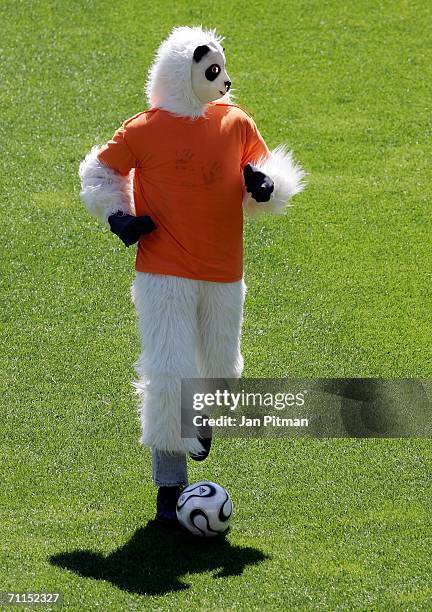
[{"x": 169, "y": 84}]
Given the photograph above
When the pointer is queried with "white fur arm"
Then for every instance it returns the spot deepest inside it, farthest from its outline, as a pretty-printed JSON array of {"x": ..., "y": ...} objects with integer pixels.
[
  {"x": 103, "y": 190},
  {"x": 287, "y": 177}
]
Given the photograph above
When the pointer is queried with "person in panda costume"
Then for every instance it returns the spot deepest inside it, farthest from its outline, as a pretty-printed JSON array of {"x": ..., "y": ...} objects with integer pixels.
[{"x": 175, "y": 179}]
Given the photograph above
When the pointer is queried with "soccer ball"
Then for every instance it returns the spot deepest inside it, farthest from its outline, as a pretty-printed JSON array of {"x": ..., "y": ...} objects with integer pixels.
[{"x": 204, "y": 508}]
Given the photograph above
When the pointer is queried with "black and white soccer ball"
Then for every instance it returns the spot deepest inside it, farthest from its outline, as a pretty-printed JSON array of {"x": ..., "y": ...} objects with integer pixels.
[{"x": 205, "y": 509}]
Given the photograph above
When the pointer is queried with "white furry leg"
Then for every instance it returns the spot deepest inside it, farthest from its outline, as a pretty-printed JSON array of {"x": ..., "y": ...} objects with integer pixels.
[
  {"x": 220, "y": 316},
  {"x": 167, "y": 315}
]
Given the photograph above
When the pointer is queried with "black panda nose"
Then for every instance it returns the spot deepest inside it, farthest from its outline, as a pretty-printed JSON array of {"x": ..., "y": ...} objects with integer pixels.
[{"x": 227, "y": 85}]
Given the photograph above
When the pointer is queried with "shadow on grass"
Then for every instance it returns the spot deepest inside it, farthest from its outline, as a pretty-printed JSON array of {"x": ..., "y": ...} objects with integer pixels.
[
  {"x": 384, "y": 408},
  {"x": 155, "y": 559}
]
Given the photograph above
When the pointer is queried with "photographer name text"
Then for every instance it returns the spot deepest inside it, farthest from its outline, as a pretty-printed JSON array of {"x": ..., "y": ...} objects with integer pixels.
[{"x": 267, "y": 420}]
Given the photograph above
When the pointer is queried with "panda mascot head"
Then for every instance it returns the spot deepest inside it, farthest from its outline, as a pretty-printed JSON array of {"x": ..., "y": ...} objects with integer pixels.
[{"x": 189, "y": 72}]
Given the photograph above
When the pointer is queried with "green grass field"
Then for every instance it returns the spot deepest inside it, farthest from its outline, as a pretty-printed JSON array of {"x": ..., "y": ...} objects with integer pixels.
[{"x": 341, "y": 286}]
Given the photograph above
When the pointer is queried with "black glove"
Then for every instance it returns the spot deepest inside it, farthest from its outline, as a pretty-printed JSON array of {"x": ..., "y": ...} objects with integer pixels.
[
  {"x": 258, "y": 184},
  {"x": 129, "y": 228}
]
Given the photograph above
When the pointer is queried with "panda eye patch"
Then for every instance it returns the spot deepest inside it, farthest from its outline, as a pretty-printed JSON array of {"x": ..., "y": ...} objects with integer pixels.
[{"x": 212, "y": 72}]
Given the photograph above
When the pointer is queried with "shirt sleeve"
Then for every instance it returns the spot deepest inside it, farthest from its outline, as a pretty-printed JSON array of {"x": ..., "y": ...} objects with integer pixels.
[
  {"x": 255, "y": 146},
  {"x": 116, "y": 153}
]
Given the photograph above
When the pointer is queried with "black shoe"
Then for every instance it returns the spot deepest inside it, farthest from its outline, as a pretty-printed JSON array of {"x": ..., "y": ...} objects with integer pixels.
[
  {"x": 205, "y": 434},
  {"x": 166, "y": 505}
]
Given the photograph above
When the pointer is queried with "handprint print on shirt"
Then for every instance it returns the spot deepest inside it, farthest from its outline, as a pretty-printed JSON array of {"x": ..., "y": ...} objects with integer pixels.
[
  {"x": 183, "y": 159},
  {"x": 212, "y": 173}
]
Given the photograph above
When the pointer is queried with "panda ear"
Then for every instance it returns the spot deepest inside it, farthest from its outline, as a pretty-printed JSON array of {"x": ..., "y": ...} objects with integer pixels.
[{"x": 200, "y": 52}]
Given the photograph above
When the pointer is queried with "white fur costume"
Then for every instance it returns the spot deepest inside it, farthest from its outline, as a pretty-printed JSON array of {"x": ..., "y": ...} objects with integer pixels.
[
  {"x": 196, "y": 333},
  {"x": 188, "y": 328}
]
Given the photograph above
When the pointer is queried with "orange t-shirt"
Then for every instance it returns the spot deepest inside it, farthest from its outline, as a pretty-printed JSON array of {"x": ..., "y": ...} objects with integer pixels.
[{"x": 188, "y": 178}]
